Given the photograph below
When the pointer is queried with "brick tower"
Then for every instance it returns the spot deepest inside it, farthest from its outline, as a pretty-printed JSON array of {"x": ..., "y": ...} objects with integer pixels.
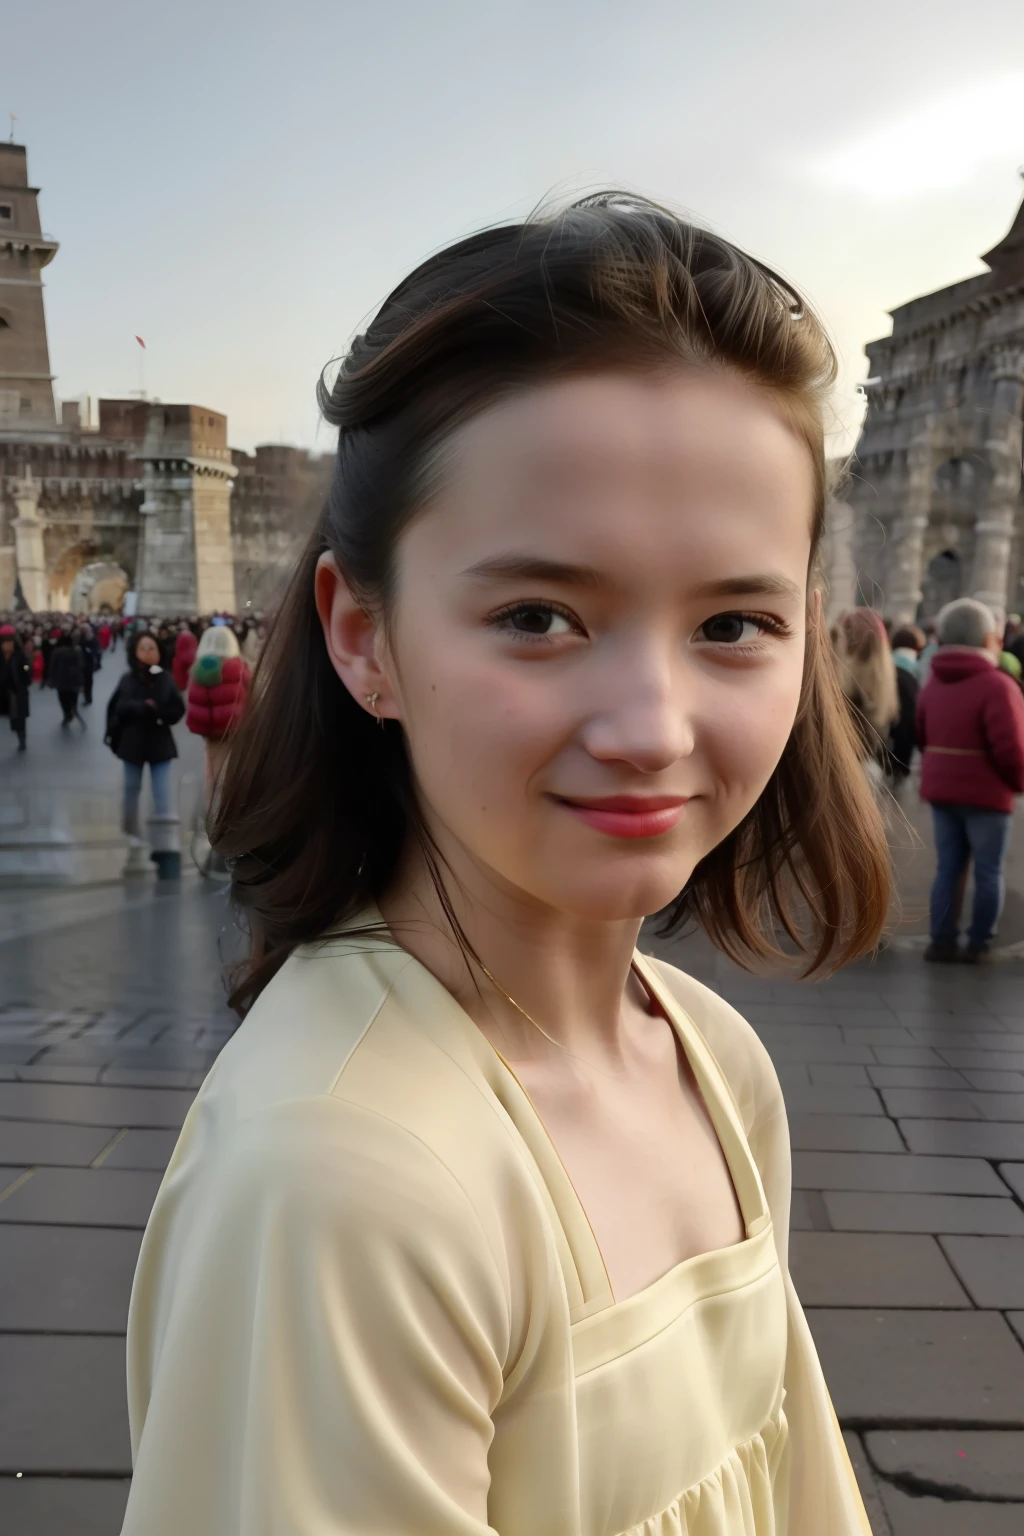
[{"x": 26, "y": 384}]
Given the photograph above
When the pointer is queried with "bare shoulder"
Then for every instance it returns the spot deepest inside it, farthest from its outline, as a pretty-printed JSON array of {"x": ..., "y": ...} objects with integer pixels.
[{"x": 745, "y": 1063}]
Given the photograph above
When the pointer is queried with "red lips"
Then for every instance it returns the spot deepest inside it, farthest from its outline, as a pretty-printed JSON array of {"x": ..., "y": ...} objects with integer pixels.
[{"x": 629, "y": 815}]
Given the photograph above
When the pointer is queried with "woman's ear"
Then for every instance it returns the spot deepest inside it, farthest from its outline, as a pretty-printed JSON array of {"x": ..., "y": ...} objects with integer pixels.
[{"x": 352, "y": 637}]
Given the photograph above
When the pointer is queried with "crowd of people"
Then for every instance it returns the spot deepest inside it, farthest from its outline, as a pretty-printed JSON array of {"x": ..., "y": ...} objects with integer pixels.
[
  {"x": 193, "y": 668},
  {"x": 950, "y": 691}
]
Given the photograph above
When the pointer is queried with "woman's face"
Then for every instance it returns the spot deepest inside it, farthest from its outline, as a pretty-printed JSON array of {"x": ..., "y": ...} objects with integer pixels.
[
  {"x": 598, "y": 635},
  {"x": 147, "y": 651}
]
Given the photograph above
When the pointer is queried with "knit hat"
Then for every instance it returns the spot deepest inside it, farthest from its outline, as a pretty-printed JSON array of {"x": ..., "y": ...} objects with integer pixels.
[{"x": 7, "y": 632}]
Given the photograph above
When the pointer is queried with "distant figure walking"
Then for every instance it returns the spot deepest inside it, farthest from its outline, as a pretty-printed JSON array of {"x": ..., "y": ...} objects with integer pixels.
[
  {"x": 867, "y": 675},
  {"x": 217, "y": 690},
  {"x": 970, "y": 729},
  {"x": 185, "y": 647},
  {"x": 67, "y": 676},
  {"x": 15, "y": 677},
  {"x": 907, "y": 644},
  {"x": 141, "y": 712}
]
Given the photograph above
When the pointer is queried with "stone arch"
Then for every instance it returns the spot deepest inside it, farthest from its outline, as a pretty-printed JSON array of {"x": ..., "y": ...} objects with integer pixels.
[
  {"x": 63, "y": 570},
  {"x": 99, "y": 587},
  {"x": 943, "y": 581}
]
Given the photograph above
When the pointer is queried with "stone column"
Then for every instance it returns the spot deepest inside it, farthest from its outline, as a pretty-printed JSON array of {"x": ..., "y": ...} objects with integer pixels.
[
  {"x": 29, "y": 553},
  {"x": 906, "y": 560},
  {"x": 994, "y": 529}
]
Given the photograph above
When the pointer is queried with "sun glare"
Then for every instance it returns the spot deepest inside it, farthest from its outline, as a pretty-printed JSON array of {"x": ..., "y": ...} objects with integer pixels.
[{"x": 939, "y": 144}]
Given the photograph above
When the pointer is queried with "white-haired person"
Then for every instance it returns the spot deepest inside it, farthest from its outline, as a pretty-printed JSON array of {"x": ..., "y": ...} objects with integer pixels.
[
  {"x": 217, "y": 690},
  {"x": 970, "y": 730}
]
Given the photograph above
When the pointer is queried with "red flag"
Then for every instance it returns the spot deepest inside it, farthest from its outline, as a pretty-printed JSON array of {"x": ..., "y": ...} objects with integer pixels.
[{"x": 141, "y": 343}]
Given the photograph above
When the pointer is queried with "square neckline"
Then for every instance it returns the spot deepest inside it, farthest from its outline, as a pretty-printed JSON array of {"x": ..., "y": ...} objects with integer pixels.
[{"x": 579, "y": 1249}]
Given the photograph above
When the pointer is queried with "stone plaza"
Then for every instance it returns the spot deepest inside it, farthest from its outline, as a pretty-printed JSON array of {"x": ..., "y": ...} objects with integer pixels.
[{"x": 905, "y": 1091}]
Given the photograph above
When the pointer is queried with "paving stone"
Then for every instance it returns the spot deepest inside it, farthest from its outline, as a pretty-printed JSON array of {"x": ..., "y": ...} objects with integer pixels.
[
  {"x": 986, "y": 1061},
  {"x": 8, "y": 1177},
  {"x": 875, "y": 1034},
  {"x": 886, "y": 1212},
  {"x": 854, "y": 1055},
  {"x": 922, "y": 1367},
  {"x": 833, "y": 1101},
  {"x": 836, "y": 1075},
  {"x": 916, "y": 1077},
  {"x": 992, "y": 1268},
  {"x": 868, "y": 1484},
  {"x": 65, "y": 1279},
  {"x": 806, "y": 1213},
  {"x": 54, "y": 1506},
  {"x": 996, "y": 1082},
  {"x": 45, "y": 1074},
  {"x": 98, "y": 1197},
  {"x": 898, "y": 1056},
  {"x": 1000, "y": 1106},
  {"x": 147, "y": 1077},
  {"x": 795, "y": 1075},
  {"x": 1013, "y": 1173},
  {"x": 17, "y": 1055},
  {"x": 849, "y": 1133},
  {"x": 63, "y": 1408},
  {"x": 1016, "y": 1322},
  {"x": 972, "y": 1463},
  {"x": 36, "y": 1142},
  {"x": 964, "y": 1138},
  {"x": 143, "y": 1149},
  {"x": 857, "y": 1269},
  {"x": 94, "y": 1106},
  {"x": 8, "y": 1074},
  {"x": 931, "y": 1104},
  {"x": 962, "y": 1040},
  {"x": 910, "y": 1516},
  {"x": 897, "y": 1171}
]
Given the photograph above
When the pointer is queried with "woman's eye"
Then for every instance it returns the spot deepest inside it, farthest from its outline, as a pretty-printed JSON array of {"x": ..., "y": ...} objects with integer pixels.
[
  {"x": 732, "y": 629},
  {"x": 536, "y": 620}
]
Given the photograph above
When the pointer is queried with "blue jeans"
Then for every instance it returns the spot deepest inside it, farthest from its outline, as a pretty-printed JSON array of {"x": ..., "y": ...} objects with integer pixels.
[
  {"x": 160, "y": 778},
  {"x": 963, "y": 832}
]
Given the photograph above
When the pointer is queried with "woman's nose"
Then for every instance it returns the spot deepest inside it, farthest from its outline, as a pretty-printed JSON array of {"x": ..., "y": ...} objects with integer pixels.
[{"x": 647, "y": 722}]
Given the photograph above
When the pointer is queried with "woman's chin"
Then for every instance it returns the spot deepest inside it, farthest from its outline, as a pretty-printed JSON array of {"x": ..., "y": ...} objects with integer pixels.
[{"x": 613, "y": 898}]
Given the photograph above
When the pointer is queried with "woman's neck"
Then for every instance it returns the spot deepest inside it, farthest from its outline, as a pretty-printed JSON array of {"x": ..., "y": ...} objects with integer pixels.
[{"x": 571, "y": 975}]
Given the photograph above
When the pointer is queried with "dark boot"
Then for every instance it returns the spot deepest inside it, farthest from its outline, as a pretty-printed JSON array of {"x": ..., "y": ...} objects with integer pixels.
[
  {"x": 168, "y": 865},
  {"x": 945, "y": 954}
]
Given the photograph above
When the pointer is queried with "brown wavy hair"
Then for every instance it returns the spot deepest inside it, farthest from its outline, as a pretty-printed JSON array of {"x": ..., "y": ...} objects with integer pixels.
[{"x": 317, "y": 802}]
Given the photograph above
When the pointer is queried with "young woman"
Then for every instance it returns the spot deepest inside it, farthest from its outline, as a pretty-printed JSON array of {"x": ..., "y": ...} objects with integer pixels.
[
  {"x": 480, "y": 1222},
  {"x": 142, "y": 709}
]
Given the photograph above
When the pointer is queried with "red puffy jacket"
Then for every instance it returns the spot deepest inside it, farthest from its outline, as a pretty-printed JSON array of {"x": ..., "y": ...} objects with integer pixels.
[
  {"x": 185, "y": 648},
  {"x": 970, "y": 729},
  {"x": 216, "y": 695}
]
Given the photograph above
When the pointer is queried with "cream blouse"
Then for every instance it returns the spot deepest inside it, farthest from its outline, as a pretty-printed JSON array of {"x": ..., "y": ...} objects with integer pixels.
[{"x": 369, "y": 1302}]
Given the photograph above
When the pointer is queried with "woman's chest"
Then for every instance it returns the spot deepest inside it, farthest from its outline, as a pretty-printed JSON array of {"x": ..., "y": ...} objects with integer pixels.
[{"x": 650, "y": 1174}]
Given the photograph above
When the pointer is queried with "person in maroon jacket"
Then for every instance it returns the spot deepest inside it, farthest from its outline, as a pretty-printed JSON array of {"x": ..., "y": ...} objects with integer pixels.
[
  {"x": 970, "y": 729},
  {"x": 218, "y": 684}
]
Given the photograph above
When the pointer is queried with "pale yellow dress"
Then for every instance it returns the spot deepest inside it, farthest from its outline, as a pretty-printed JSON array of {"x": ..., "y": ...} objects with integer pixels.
[{"x": 369, "y": 1302}]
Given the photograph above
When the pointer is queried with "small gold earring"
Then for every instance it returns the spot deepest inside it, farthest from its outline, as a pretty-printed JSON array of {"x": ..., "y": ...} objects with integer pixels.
[{"x": 371, "y": 699}]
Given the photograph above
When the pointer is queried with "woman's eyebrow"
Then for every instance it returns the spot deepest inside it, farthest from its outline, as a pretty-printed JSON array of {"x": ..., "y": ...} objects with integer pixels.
[
  {"x": 759, "y": 585},
  {"x": 515, "y": 567}
]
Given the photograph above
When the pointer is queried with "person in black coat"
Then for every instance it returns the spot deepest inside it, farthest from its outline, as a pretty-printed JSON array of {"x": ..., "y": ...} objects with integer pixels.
[
  {"x": 67, "y": 675},
  {"x": 15, "y": 677},
  {"x": 907, "y": 645},
  {"x": 92, "y": 660},
  {"x": 142, "y": 709}
]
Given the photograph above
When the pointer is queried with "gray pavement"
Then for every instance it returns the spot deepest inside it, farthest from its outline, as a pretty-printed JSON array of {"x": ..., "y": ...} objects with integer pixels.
[{"x": 905, "y": 1089}]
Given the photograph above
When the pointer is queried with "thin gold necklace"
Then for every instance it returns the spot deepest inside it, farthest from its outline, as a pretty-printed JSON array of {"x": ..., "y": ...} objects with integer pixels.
[
  {"x": 611, "y": 1076},
  {"x": 519, "y": 1008}
]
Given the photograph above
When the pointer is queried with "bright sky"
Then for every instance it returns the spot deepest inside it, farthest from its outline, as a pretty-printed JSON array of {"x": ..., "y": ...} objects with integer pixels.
[{"x": 242, "y": 182}]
